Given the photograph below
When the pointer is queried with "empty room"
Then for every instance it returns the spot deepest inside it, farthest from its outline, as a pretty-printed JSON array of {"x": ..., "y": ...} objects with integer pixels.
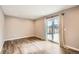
[{"x": 39, "y": 29}]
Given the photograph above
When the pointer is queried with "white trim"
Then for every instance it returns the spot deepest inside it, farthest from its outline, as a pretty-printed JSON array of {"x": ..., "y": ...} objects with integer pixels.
[{"x": 73, "y": 48}]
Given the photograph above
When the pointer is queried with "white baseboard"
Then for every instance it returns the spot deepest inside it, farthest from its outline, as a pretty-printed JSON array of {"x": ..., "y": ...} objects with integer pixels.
[
  {"x": 18, "y": 38},
  {"x": 39, "y": 37},
  {"x": 69, "y": 47}
]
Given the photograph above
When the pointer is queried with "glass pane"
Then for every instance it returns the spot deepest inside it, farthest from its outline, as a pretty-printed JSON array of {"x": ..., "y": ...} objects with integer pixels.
[
  {"x": 53, "y": 29},
  {"x": 56, "y": 29},
  {"x": 49, "y": 25},
  {"x": 49, "y": 36}
]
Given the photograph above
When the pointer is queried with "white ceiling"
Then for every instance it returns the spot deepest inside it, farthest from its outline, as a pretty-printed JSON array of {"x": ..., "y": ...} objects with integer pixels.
[{"x": 32, "y": 11}]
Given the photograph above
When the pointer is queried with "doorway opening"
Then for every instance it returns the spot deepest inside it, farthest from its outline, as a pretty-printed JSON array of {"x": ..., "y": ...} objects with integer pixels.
[{"x": 52, "y": 29}]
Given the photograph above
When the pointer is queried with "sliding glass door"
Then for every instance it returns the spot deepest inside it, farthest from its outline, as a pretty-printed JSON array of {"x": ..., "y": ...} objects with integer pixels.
[{"x": 52, "y": 29}]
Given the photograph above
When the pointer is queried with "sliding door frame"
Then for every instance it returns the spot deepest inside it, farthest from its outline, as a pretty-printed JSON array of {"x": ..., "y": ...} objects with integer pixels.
[{"x": 61, "y": 30}]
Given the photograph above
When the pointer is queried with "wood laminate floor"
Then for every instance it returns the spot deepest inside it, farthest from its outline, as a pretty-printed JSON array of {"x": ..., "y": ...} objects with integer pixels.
[{"x": 33, "y": 45}]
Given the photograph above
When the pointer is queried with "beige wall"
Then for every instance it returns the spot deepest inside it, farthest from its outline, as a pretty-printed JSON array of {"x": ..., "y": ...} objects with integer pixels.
[
  {"x": 18, "y": 28},
  {"x": 71, "y": 27},
  {"x": 1, "y": 28},
  {"x": 40, "y": 28}
]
